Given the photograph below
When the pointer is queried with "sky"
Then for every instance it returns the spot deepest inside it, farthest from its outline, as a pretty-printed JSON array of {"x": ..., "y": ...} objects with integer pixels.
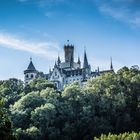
[{"x": 40, "y": 28}]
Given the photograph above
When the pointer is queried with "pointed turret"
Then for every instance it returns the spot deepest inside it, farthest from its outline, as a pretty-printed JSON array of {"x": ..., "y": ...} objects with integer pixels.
[
  {"x": 31, "y": 65},
  {"x": 30, "y": 68},
  {"x": 58, "y": 61},
  {"x": 78, "y": 62},
  {"x": 30, "y": 73},
  {"x": 86, "y": 67},
  {"x": 98, "y": 69},
  {"x": 50, "y": 70},
  {"x": 55, "y": 65},
  {"x": 85, "y": 64},
  {"x": 111, "y": 64}
]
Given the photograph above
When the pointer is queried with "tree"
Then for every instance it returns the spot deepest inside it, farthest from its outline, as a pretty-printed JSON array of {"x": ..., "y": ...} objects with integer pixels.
[
  {"x": 43, "y": 117},
  {"x": 31, "y": 133},
  {"x": 11, "y": 90},
  {"x": 107, "y": 103},
  {"x": 21, "y": 110},
  {"x": 38, "y": 84},
  {"x": 5, "y": 124}
]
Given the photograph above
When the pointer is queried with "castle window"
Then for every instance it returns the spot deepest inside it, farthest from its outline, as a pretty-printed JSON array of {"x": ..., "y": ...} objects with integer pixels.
[
  {"x": 55, "y": 85},
  {"x": 27, "y": 76},
  {"x": 32, "y": 75},
  {"x": 55, "y": 73}
]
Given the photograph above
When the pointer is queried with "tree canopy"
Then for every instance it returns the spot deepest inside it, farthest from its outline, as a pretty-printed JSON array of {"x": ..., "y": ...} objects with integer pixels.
[{"x": 109, "y": 103}]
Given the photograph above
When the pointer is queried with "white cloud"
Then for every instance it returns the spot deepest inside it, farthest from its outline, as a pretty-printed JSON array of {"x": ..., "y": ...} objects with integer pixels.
[
  {"x": 46, "y": 49},
  {"x": 126, "y": 11},
  {"x": 117, "y": 13},
  {"x": 49, "y": 14},
  {"x": 23, "y": 0},
  {"x": 43, "y": 3}
]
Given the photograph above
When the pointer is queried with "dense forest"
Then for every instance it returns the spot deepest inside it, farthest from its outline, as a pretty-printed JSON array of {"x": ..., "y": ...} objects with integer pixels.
[{"x": 108, "y": 104}]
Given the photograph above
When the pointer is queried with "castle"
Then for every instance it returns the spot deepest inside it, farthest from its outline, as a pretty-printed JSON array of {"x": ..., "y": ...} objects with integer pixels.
[{"x": 65, "y": 72}]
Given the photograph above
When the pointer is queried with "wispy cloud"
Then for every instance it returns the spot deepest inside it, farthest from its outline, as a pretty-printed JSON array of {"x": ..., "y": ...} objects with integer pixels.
[
  {"x": 45, "y": 2},
  {"x": 23, "y": 0},
  {"x": 46, "y": 49},
  {"x": 127, "y": 11},
  {"x": 50, "y": 14},
  {"x": 50, "y": 8}
]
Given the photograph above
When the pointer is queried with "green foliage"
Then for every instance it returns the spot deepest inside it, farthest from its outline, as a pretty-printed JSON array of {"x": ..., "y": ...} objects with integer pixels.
[
  {"x": 38, "y": 85},
  {"x": 124, "y": 136},
  {"x": 108, "y": 103},
  {"x": 21, "y": 110},
  {"x": 43, "y": 117},
  {"x": 5, "y": 125},
  {"x": 31, "y": 133},
  {"x": 11, "y": 90}
]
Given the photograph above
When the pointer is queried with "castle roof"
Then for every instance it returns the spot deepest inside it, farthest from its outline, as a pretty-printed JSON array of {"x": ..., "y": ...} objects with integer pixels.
[
  {"x": 31, "y": 67},
  {"x": 74, "y": 72}
]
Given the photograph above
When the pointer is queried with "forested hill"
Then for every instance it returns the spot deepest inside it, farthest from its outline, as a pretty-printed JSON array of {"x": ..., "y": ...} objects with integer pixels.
[{"x": 109, "y": 103}]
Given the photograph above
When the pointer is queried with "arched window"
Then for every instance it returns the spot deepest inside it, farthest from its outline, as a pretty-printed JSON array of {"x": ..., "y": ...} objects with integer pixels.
[
  {"x": 32, "y": 76},
  {"x": 27, "y": 76},
  {"x": 55, "y": 85}
]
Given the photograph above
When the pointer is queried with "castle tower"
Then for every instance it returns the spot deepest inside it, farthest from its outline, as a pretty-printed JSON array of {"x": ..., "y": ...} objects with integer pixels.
[
  {"x": 30, "y": 73},
  {"x": 69, "y": 53}
]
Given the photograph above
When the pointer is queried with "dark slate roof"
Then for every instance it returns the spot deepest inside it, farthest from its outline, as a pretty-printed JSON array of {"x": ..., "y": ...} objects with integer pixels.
[
  {"x": 106, "y": 71},
  {"x": 75, "y": 72},
  {"x": 31, "y": 66},
  {"x": 46, "y": 76}
]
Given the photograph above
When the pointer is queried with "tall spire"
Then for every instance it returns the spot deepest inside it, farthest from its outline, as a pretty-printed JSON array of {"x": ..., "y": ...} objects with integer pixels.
[
  {"x": 55, "y": 65},
  {"x": 49, "y": 69},
  {"x": 111, "y": 65},
  {"x": 58, "y": 60},
  {"x": 79, "y": 62},
  {"x": 85, "y": 65},
  {"x": 30, "y": 59},
  {"x": 98, "y": 69}
]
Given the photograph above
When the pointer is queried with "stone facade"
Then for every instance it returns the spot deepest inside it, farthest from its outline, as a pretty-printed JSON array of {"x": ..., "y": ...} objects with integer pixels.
[{"x": 66, "y": 72}]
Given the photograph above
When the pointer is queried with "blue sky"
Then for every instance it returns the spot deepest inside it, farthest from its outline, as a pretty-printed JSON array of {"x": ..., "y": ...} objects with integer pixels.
[{"x": 40, "y": 28}]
